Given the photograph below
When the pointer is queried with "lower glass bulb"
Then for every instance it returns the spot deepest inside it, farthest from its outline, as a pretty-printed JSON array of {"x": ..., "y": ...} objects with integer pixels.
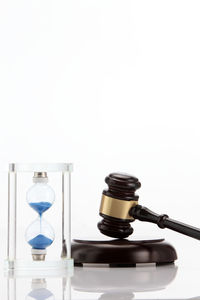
[{"x": 39, "y": 234}]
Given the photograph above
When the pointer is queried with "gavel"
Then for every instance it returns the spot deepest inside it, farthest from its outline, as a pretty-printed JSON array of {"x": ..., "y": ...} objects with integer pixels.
[{"x": 119, "y": 207}]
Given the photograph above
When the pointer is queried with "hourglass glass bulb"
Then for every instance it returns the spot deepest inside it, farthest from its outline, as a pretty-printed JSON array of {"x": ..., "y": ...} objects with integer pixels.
[
  {"x": 39, "y": 234},
  {"x": 40, "y": 196}
]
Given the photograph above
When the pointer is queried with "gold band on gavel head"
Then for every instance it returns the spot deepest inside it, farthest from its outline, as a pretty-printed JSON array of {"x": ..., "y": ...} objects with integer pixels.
[{"x": 117, "y": 208}]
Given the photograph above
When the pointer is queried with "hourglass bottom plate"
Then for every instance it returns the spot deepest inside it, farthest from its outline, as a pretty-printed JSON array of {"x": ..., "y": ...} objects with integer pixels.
[
  {"x": 36, "y": 267},
  {"x": 125, "y": 253}
]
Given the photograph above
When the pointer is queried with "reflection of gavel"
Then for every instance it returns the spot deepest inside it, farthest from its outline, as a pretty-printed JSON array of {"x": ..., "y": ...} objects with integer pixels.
[{"x": 119, "y": 207}]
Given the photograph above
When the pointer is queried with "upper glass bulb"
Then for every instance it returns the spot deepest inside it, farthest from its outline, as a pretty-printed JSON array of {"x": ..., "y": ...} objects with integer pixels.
[{"x": 40, "y": 196}]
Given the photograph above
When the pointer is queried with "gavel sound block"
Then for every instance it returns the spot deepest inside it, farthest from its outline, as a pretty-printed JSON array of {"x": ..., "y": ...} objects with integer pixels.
[{"x": 119, "y": 207}]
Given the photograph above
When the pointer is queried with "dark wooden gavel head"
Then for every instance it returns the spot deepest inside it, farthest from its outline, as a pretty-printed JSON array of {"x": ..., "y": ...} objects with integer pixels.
[{"x": 116, "y": 203}]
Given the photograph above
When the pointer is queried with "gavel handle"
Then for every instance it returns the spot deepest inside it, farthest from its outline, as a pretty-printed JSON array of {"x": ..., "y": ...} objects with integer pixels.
[{"x": 163, "y": 221}]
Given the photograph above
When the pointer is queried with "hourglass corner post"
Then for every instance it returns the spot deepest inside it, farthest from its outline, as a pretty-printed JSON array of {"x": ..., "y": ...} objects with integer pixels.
[
  {"x": 69, "y": 215},
  {"x": 66, "y": 215},
  {"x": 12, "y": 215}
]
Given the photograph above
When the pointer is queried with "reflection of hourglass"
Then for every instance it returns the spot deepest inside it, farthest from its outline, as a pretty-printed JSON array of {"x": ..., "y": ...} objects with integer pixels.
[
  {"x": 39, "y": 291},
  {"x": 40, "y": 234}
]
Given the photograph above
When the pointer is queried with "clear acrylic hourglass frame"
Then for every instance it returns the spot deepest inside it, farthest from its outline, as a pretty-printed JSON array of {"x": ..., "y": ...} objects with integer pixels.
[{"x": 63, "y": 257}]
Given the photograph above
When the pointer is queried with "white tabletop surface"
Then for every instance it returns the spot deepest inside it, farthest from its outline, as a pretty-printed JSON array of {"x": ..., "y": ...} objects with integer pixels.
[
  {"x": 178, "y": 281},
  {"x": 145, "y": 282}
]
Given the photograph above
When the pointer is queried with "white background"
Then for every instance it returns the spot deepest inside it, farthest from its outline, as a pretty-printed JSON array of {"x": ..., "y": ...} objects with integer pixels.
[{"x": 111, "y": 86}]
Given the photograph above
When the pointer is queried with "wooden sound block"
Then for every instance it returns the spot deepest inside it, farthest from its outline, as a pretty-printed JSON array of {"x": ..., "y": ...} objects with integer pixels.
[{"x": 122, "y": 252}]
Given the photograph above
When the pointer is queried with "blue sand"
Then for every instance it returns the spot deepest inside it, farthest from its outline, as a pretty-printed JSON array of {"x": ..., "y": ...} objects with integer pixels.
[
  {"x": 40, "y": 242},
  {"x": 40, "y": 294},
  {"x": 40, "y": 207}
]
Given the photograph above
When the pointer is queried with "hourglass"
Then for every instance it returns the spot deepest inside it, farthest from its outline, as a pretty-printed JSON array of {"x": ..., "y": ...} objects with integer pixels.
[
  {"x": 40, "y": 233},
  {"x": 48, "y": 201}
]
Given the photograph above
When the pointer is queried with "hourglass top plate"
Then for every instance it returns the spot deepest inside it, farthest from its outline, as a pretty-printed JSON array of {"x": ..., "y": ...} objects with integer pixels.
[{"x": 39, "y": 167}]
